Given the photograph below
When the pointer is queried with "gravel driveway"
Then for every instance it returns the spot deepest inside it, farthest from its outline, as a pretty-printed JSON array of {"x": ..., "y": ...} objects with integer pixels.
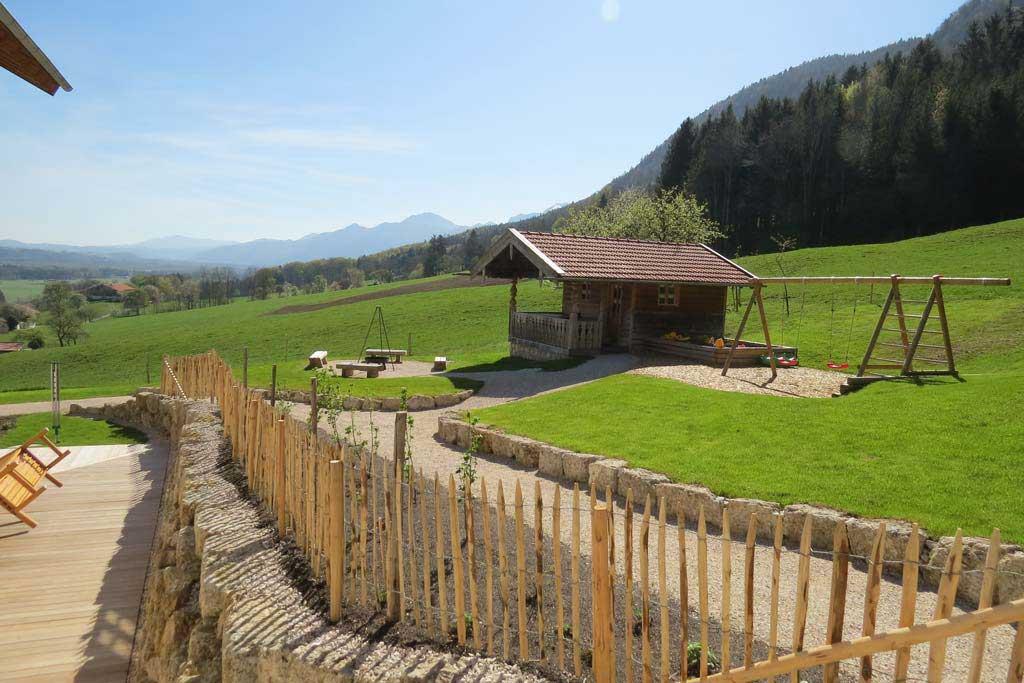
[{"x": 434, "y": 456}]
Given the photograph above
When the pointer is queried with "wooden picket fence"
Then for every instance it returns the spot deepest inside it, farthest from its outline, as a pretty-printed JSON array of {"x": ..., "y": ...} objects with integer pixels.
[{"x": 442, "y": 556}]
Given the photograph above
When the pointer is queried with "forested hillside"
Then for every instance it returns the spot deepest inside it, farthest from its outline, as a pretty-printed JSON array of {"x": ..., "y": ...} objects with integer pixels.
[
  {"x": 917, "y": 144},
  {"x": 791, "y": 82}
]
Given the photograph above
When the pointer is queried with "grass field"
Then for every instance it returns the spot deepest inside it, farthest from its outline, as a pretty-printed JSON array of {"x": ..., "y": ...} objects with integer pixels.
[
  {"x": 468, "y": 325},
  {"x": 945, "y": 453},
  {"x": 16, "y": 291},
  {"x": 74, "y": 431}
]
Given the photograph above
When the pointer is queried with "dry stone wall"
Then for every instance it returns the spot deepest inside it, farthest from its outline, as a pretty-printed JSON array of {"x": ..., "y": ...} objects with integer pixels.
[
  {"x": 600, "y": 473},
  {"x": 227, "y": 600}
]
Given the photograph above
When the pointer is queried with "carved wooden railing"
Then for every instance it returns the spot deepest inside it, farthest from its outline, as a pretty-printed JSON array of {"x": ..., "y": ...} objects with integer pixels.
[{"x": 556, "y": 330}]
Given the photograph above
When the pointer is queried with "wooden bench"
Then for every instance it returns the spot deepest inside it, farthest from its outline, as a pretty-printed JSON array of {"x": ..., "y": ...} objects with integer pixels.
[
  {"x": 440, "y": 364},
  {"x": 21, "y": 473},
  {"x": 349, "y": 367},
  {"x": 385, "y": 355},
  {"x": 317, "y": 359}
]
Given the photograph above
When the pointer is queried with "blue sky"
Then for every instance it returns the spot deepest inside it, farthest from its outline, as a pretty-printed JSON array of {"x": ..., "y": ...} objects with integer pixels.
[{"x": 240, "y": 120}]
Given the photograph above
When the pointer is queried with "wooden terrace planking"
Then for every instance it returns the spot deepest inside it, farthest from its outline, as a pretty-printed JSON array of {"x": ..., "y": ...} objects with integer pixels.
[{"x": 71, "y": 588}]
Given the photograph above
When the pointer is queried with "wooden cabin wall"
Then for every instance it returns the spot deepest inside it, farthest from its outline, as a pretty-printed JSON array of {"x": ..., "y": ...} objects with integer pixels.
[
  {"x": 598, "y": 295},
  {"x": 699, "y": 310}
]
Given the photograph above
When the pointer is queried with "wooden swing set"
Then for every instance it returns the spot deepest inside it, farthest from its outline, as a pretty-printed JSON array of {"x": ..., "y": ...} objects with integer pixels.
[{"x": 898, "y": 362}]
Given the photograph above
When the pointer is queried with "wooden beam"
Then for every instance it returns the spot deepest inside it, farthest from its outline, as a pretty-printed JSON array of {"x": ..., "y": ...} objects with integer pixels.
[
  {"x": 739, "y": 333},
  {"x": 881, "y": 280},
  {"x": 880, "y": 642},
  {"x": 767, "y": 334},
  {"x": 877, "y": 331}
]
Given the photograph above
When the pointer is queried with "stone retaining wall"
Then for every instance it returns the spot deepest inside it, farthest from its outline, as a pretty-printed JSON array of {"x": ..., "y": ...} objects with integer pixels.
[
  {"x": 600, "y": 472},
  {"x": 416, "y": 402},
  {"x": 226, "y": 599}
]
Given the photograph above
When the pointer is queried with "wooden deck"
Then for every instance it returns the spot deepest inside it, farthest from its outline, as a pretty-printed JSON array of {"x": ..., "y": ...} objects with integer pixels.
[{"x": 70, "y": 590}]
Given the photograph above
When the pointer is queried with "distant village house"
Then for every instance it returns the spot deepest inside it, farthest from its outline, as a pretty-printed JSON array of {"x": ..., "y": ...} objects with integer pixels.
[{"x": 107, "y": 291}]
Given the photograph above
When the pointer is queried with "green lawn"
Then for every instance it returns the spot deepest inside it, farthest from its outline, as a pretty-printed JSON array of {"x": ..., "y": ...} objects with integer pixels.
[
  {"x": 468, "y": 325},
  {"x": 74, "y": 431},
  {"x": 17, "y": 291},
  {"x": 66, "y": 394},
  {"x": 945, "y": 453}
]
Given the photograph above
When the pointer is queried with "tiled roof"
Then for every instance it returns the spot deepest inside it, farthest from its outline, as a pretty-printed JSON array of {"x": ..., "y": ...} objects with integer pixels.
[
  {"x": 11, "y": 346},
  {"x": 122, "y": 287},
  {"x": 610, "y": 258}
]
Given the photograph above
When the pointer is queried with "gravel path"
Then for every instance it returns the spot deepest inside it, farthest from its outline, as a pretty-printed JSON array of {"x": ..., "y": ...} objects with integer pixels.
[
  {"x": 434, "y": 456},
  {"x": 44, "y": 406},
  {"x": 795, "y": 382}
]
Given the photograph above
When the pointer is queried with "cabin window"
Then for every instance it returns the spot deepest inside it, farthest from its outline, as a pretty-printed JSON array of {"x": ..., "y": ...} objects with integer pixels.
[{"x": 666, "y": 295}]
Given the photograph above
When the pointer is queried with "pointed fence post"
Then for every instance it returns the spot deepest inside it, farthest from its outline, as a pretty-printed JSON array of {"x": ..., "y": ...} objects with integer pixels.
[{"x": 603, "y": 637}]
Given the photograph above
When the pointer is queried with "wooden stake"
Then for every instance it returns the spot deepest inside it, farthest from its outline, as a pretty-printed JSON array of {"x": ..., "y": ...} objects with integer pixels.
[
  {"x": 363, "y": 530},
  {"x": 663, "y": 591},
  {"x": 273, "y": 384},
  {"x": 988, "y": 585},
  {"x": 280, "y": 486},
  {"x": 488, "y": 564},
  {"x": 702, "y": 590},
  {"x": 908, "y": 601},
  {"x": 726, "y": 589},
  {"x": 538, "y": 553},
  {"x": 428, "y": 615},
  {"x": 803, "y": 579},
  {"x": 524, "y": 648},
  {"x": 944, "y": 606},
  {"x": 506, "y": 637},
  {"x": 684, "y": 596},
  {"x": 467, "y": 499},
  {"x": 398, "y": 467},
  {"x": 645, "y": 594},
  {"x": 773, "y": 628},
  {"x": 414, "y": 601},
  {"x": 442, "y": 580},
  {"x": 314, "y": 411},
  {"x": 556, "y": 557},
  {"x": 460, "y": 596},
  {"x": 628, "y": 577},
  {"x": 337, "y": 547},
  {"x": 748, "y": 592},
  {"x": 603, "y": 617},
  {"x": 871, "y": 594},
  {"x": 1015, "y": 674},
  {"x": 837, "y": 599},
  {"x": 577, "y": 646}
]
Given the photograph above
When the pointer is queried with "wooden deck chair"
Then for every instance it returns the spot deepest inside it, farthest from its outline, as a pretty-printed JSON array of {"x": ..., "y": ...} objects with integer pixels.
[{"x": 21, "y": 473}]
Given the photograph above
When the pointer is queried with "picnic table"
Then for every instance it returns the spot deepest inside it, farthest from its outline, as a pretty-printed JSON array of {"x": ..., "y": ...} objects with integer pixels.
[{"x": 385, "y": 355}]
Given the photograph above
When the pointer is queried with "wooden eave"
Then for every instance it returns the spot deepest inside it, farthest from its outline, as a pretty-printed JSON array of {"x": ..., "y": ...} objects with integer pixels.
[{"x": 20, "y": 55}]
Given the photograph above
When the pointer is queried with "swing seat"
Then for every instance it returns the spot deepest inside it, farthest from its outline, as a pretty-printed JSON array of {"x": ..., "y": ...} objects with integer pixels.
[
  {"x": 837, "y": 366},
  {"x": 780, "y": 361}
]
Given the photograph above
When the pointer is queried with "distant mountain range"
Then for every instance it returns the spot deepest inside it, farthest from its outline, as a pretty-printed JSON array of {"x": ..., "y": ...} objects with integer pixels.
[{"x": 179, "y": 252}]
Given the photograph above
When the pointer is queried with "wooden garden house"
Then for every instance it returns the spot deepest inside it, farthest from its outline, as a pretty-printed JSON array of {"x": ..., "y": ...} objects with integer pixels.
[{"x": 617, "y": 294}]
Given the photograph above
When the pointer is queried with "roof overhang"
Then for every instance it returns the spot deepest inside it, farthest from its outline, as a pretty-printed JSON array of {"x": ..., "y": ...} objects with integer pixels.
[
  {"x": 20, "y": 55},
  {"x": 512, "y": 255}
]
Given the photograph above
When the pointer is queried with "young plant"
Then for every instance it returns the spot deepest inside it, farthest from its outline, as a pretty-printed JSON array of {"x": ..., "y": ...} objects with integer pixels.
[
  {"x": 693, "y": 660},
  {"x": 466, "y": 470}
]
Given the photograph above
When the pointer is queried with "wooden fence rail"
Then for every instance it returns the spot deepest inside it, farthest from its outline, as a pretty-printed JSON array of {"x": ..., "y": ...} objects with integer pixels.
[{"x": 437, "y": 554}]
